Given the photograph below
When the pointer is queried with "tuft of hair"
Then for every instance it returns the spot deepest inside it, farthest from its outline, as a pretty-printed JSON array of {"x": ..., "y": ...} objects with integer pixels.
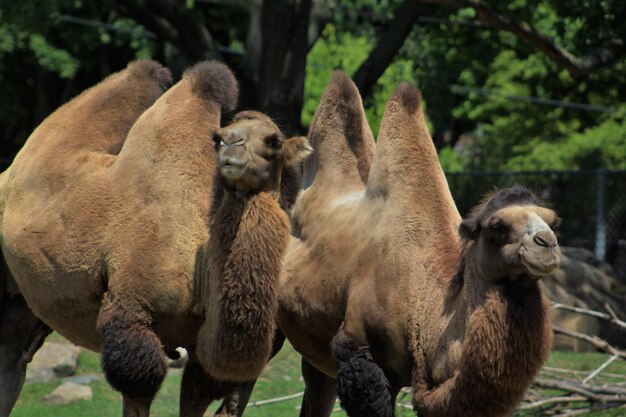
[
  {"x": 151, "y": 69},
  {"x": 499, "y": 199},
  {"x": 250, "y": 115},
  {"x": 362, "y": 387},
  {"x": 342, "y": 87},
  {"x": 408, "y": 97},
  {"x": 132, "y": 356},
  {"x": 492, "y": 202},
  {"x": 213, "y": 80}
]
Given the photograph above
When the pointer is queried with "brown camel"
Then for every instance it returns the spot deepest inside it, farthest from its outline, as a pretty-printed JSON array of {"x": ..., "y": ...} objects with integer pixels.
[
  {"x": 105, "y": 218},
  {"x": 235, "y": 341},
  {"x": 375, "y": 292}
]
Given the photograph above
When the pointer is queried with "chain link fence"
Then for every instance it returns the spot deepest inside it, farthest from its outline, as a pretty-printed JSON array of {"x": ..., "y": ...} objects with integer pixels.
[{"x": 592, "y": 204}]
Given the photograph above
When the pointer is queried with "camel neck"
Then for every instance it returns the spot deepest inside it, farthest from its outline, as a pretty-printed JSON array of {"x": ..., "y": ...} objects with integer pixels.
[
  {"x": 507, "y": 338},
  {"x": 248, "y": 238}
]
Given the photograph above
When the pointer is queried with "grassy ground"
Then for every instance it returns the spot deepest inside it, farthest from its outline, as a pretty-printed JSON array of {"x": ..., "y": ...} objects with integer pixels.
[{"x": 281, "y": 377}]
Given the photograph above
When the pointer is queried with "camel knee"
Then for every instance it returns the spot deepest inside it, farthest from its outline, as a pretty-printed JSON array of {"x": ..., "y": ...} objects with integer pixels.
[
  {"x": 132, "y": 356},
  {"x": 362, "y": 386}
]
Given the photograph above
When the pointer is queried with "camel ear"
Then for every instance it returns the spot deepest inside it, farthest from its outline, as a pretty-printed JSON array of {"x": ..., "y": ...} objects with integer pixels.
[
  {"x": 296, "y": 149},
  {"x": 469, "y": 229}
]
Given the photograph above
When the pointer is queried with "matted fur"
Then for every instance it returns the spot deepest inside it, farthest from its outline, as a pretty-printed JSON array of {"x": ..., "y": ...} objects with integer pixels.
[
  {"x": 214, "y": 81},
  {"x": 132, "y": 357},
  {"x": 237, "y": 342},
  {"x": 361, "y": 384}
]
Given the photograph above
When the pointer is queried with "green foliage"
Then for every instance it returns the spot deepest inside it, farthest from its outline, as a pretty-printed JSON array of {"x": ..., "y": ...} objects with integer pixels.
[{"x": 345, "y": 51}]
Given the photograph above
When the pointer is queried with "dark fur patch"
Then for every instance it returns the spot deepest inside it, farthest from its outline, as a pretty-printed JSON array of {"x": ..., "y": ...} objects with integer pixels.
[
  {"x": 408, "y": 96},
  {"x": 213, "y": 80},
  {"x": 362, "y": 386},
  {"x": 290, "y": 186},
  {"x": 151, "y": 69},
  {"x": 132, "y": 356},
  {"x": 499, "y": 199},
  {"x": 348, "y": 105}
]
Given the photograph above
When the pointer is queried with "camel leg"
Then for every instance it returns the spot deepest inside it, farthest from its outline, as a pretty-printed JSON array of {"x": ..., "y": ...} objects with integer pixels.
[
  {"x": 235, "y": 402},
  {"x": 362, "y": 386},
  {"x": 132, "y": 357},
  {"x": 21, "y": 335},
  {"x": 198, "y": 389},
  {"x": 320, "y": 392}
]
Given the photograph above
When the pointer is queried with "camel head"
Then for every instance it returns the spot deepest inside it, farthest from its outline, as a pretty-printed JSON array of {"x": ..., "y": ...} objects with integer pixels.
[
  {"x": 512, "y": 236},
  {"x": 252, "y": 152}
]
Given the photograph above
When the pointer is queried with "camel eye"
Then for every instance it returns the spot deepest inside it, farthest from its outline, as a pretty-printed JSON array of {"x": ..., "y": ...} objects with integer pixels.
[
  {"x": 217, "y": 139},
  {"x": 498, "y": 232},
  {"x": 273, "y": 142}
]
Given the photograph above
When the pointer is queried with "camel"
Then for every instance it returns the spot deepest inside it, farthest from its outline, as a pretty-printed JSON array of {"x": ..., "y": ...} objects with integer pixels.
[
  {"x": 105, "y": 222},
  {"x": 235, "y": 341},
  {"x": 384, "y": 286}
]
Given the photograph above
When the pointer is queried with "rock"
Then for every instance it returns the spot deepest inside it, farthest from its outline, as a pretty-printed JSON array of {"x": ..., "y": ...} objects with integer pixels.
[
  {"x": 39, "y": 374},
  {"x": 584, "y": 281},
  {"x": 60, "y": 359},
  {"x": 68, "y": 392}
]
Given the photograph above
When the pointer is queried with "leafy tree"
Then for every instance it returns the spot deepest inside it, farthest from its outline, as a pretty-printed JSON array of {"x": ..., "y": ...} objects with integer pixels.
[{"x": 456, "y": 51}]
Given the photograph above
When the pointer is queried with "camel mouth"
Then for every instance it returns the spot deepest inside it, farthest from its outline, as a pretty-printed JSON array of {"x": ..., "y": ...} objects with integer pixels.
[
  {"x": 232, "y": 168},
  {"x": 539, "y": 264}
]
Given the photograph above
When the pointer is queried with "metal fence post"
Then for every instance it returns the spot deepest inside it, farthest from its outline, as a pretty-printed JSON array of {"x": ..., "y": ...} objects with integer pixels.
[{"x": 600, "y": 246}]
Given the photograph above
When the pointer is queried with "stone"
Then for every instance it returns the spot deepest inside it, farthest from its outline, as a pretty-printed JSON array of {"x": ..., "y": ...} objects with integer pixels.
[
  {"x": 60, "y": 359},
  {"x": 582, "y": 280},
  {"x": 67, "y": 393}
]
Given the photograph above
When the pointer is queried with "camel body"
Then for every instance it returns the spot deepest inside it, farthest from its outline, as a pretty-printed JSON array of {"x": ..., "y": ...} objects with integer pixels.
[
  {"x": 105, "y": 222},
  {"x": 375, "y": 291}
]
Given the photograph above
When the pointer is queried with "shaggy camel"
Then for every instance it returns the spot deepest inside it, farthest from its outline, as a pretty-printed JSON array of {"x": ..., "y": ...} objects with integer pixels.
[
  {"x": 104, "y": 234},
  {"x": 375, "y": 292},
  {"x": 235, "y": 341}
]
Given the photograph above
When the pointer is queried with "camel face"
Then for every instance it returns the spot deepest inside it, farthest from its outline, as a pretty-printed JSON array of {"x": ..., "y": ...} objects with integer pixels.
[
  {"x": 252, "y": 152},
  {"x": 513, "y": 235}
]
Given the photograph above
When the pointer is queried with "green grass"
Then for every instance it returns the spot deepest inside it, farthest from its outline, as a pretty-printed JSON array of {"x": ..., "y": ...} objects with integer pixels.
[{"x": 281, "y": 377}]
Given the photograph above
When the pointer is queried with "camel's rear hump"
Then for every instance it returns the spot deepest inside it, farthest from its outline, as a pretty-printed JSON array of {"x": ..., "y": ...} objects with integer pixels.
[{"x": 341, "y": 138}]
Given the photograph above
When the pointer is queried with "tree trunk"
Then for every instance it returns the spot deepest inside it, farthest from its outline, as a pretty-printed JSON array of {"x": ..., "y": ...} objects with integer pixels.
[
  {"x": 387, "y": 47},
  {"x": 275, "y": 62}
]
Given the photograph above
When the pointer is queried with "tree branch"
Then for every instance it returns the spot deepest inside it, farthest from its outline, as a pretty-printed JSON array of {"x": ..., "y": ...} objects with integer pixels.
[
  {"x": 387, "y": 47},
  {"x": 598, "y": 343},
  {"x": 171, "y": 21},
  {"x": 578, "y": 67},
  {"x": 612, "y": 318}
]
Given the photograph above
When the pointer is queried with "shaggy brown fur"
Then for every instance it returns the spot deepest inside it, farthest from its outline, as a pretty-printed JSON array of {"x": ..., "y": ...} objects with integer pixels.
[
  {"x": 236, "y": 341},
  {"x": 106, "y": 224},
  {"x": 375, "y": 270}
]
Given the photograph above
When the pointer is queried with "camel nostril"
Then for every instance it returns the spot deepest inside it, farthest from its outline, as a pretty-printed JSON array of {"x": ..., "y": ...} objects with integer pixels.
[{"x": 543, "y": 241}]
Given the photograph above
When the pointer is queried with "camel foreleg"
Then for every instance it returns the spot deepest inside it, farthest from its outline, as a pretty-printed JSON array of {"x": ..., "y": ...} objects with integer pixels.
[
  {"x": 21, "y": 335},
  {"x": 362, "y": 386},
  {"x": 132, "y": 357},
  {"x": 320, "y": 392}
]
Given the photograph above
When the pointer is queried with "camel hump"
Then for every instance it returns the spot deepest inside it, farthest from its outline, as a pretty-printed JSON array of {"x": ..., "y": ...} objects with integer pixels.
[
  {"x": 408, "y": 98},
  {"x": 214, "y": 81},
  {"x": 406, "y": 167},
  {"x": 341, "y": 138},
  {"x": 147, "y": 68}
]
